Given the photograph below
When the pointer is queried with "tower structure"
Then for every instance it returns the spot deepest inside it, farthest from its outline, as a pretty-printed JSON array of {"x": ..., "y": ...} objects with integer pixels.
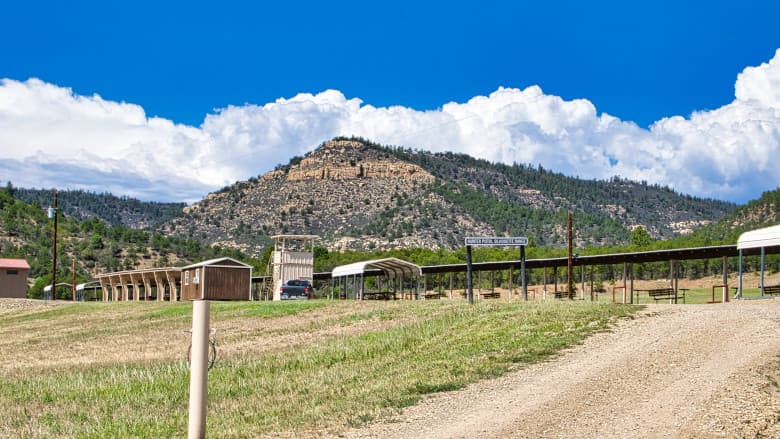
[{"x": 292, "y": 258}]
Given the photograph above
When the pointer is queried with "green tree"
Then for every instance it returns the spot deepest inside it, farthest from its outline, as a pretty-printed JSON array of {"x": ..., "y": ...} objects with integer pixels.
[{"x": 640, "y": 238}]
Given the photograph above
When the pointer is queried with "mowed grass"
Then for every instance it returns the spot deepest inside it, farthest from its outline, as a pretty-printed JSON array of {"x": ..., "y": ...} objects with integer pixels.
[{"x": 368, "y": 362}]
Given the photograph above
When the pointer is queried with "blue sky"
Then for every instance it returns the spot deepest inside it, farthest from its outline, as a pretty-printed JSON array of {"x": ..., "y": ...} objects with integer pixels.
[{"x": 182, "y": 78}]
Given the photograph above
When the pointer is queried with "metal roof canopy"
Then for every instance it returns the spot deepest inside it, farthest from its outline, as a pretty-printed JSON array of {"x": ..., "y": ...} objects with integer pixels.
[
  {"x": 614, "y": 258},
  {"x": 766, "y": 237},
  {"x": 47, "y": 288},
  {"x": 389, "y": 266},
  {"x": 216, "y": 262},
  {"x": 762, "y": 239}
]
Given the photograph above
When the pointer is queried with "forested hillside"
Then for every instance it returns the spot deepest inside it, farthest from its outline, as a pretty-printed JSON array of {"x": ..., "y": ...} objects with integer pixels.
[
  {"x": 763, "y": 212},
  {"x": 357, "y": 195},
  {"x": 110, "y": 209},
  {"x": 522, "y": 197},
  {"x": 26, "y": 232}
]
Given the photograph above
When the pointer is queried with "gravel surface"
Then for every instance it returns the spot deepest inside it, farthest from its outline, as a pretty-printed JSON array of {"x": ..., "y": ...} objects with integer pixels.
[
  {"x": 673, "y": 371},
  {"x": 20, "y": 306}
]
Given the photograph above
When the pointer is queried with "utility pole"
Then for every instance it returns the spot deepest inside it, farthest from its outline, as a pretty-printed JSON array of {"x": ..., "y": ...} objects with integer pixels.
[
  {"x": 570, "y": 278},
  {"x": 73, "y": 283},
  {"x": 53, "y": 213},
  {"x": 469, "y": 286}
]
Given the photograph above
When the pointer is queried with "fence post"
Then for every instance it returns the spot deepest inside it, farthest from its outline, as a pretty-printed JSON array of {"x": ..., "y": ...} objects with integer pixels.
[{"x": 199, "y": 369}]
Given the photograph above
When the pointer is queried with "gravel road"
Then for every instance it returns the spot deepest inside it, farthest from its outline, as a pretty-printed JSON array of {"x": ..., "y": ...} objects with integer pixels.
[{"x": 672, "y": 371}]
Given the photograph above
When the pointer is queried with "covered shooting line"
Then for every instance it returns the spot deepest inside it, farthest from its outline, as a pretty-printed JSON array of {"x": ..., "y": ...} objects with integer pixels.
[
  {"x": 622, "y": 263},
  {"x": 160, "y": 284},
  {"x": 390, "y": 279},
  {"x": 763, "y": 241}
]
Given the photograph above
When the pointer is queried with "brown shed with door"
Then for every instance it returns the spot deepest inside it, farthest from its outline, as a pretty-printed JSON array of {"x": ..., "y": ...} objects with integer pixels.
[
  {"x": 216, "y": 279},
  {"x": 13, "y": 277}
]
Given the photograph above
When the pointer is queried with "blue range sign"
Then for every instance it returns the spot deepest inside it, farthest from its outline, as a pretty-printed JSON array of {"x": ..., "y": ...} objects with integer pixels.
[{"x": 497, "y": 240}]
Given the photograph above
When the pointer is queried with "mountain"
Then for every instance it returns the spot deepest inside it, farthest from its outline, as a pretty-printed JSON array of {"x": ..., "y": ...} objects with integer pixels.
[
  {"x": 762, "y": 212},
  {"x": 356, "y": 194},
  {"x": 108, "y": 208}
]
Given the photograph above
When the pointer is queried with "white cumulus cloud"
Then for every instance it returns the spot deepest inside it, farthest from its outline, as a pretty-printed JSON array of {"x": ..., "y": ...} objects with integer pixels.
[{"x": 50, "y": 136}]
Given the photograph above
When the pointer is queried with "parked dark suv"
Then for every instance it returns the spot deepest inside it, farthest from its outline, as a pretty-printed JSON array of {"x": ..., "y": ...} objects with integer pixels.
[{"x": 296, "y": 289}]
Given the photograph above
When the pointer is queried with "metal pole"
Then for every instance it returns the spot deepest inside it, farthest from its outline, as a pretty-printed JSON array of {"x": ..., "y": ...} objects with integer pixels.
[
  {"x": 511, "y": 287},
  {"x": 625, "y": 275},
  {"x": 54, "y": 253},
  {"x": 522, "y": 273},
  {"x": 591, "y": 283},
  {"x": 199, "y": 369},
  {"x": 469, "y": 286},
  {"x": 725, "y": 279},
  {"x": 762, "y": 271},
  {"x": 739, "y": 289},
  {"x": 672, "y": 277}
]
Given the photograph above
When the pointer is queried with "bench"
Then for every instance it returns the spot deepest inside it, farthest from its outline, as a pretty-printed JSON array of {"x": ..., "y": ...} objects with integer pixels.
[
  {"x": 664, "y": 294},
  {"x": 381, "y": 295},
  {"x": 772, "y": 289},
  {"x": 431, "y": 295},
  {"x": 493, "y": 295},
  {"x": 562, "y": 294}
]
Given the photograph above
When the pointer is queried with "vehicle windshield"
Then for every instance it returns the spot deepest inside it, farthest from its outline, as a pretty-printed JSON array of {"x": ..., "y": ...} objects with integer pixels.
[{"x": 298, "y": 283}]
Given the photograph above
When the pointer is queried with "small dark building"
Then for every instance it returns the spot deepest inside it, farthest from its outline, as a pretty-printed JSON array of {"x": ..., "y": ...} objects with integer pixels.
[{"x": 216, "y": 279}]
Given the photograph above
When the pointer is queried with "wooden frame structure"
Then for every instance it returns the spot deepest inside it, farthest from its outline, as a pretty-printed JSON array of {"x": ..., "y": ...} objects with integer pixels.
[
  {"x": 162, "y": 282},
  {"x": 292, "y": 258}
]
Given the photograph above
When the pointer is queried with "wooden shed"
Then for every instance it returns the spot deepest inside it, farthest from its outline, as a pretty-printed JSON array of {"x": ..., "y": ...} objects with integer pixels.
[
  {"x": 13, "y": 277},
  {"x": 216, "y": 279}
]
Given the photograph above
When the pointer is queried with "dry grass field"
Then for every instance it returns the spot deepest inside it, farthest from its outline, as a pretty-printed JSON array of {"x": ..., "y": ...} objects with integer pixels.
[{"x": 309, "y": 368}]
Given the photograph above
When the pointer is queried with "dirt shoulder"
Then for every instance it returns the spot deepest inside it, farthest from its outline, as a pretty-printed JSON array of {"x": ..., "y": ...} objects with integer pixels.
[{"x": 673, "y": 371}]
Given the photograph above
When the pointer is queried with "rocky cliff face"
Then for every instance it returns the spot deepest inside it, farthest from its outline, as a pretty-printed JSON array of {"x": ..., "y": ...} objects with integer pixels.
[
  {"x": 352, "y": 160},
  {"x": 351, "y": 195}
]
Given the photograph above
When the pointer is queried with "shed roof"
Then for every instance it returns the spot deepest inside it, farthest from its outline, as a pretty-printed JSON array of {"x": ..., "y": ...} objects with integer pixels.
[
  {"x": 218, "y": 261},
  {"x": 393, "y": 266},
  {"x": 14, "y": 263},
  {"x": 766, "y": 237}
]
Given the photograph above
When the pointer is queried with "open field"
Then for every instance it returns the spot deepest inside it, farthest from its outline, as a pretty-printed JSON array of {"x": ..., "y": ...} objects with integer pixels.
[{"x": 312, "y": 368}]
